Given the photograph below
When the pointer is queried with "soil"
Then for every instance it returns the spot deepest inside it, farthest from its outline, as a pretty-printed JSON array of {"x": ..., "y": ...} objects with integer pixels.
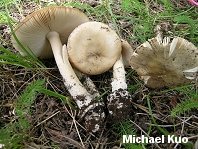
[{"x": 54, "y": 123}]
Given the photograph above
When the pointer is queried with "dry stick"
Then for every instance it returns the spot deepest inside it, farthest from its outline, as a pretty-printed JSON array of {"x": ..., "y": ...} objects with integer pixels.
[
  {"x": 47, "y": 118},
  {"x": 71, "y": 141},
  {"x": 10, "y": 75},
  {"x": 78, "y": 122},
  {"x": 88, "y": 140},
  {"x": 185, "y": 121},
  {"x": 144, "y": 132},
  {"x": 164, "y": 126},
  {"x": 193, "y": 137},
  {"x": 103, "y": 143},
  {"x": 74, "y": 142},
  {"x": 74, "y": 121},
  {"x": 26, "y": 82},
  {"x": 78, "y": 132},
  {"x": 182, "y": 130},
  {"x": 98, "y": 143},
  {"x": 145, "y": 109}
]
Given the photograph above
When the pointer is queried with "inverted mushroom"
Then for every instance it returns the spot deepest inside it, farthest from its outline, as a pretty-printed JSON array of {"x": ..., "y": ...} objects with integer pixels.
[
  {"x": 167, "y": 63},
  {"x": 93, "y": 48},
  {"x": 44, "y": 32}
]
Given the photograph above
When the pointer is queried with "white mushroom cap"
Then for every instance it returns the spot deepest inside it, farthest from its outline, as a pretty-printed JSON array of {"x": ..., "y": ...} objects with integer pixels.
[
  {"x": 32, "y": 30},
  {"x": 166, "y": 64},
  {"x": 93, "y": 48}
]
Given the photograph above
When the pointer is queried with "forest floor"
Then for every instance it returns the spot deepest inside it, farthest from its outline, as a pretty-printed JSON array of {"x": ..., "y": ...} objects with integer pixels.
[{"x": 50, "y": 123}]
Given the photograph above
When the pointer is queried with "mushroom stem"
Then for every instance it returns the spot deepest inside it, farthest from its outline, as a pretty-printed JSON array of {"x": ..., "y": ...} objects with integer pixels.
[
  {"x": 87, "y": 83},
  {"x": 71, "y": 81},
  {"x": 91, "y": 110},
  {"x": 119, "y": 80},
  {"x": 119, "y": 104}
]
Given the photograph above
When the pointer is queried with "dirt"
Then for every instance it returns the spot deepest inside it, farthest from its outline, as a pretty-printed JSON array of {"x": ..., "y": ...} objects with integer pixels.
[
  {"x": 54, "y": 123},
  {"x": 119, "y": 106}
]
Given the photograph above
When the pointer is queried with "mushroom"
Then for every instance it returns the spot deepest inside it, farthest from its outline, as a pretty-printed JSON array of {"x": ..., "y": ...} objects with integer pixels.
[
  {"x": 119, "y": 100},
  {"x": 46, "y": 30},
  {"x": 90, "y": 110},
  {"x": 93, "y": 48},
  {"x": 167, "y": 63},
  {"x": 96, "y": 53},
  {"x": 119, "y": 80},
  {"x": 38, "y": 29}
]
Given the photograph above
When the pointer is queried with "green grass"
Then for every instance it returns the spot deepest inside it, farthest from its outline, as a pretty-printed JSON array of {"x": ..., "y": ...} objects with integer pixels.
[
  {"x": 10, "y": 58},
  {"x": 162, "y": 130},
  {"x": 127, "y": 128},
  {"x": 17, "y": 130},
  {"x": 189, "y": 103},
  {"x": 142, "y": 17},
  {"x": 3, "y": 18}
]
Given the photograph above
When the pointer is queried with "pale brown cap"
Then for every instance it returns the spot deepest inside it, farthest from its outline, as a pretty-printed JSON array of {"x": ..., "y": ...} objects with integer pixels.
[
  {"x": 32, "y": 30},
  {"x": 93, "y": 48},
  {"x": 166, "y": 64}
]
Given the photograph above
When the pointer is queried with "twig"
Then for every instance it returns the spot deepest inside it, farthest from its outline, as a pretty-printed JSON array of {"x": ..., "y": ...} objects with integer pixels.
[
  {"x": 182, "y": 130},
  {"x": 144, "y": 132},
  {"x": 74, "y": 121},
  {"x": 145, "y": 109},
  {"x": 47, "y": 118}
]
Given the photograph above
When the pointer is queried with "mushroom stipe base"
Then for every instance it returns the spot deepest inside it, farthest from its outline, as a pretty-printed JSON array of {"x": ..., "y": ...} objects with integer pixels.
[{"x": 119, "y": 105}]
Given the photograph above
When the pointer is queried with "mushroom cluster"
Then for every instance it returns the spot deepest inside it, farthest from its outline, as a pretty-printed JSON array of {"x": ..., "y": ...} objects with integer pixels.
[
  {"x": 96, "y": 53},
  {"x": 45, "y": 32},
  {"x": 92, "y": 48},
  {"x": 83, "y": 48}
]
